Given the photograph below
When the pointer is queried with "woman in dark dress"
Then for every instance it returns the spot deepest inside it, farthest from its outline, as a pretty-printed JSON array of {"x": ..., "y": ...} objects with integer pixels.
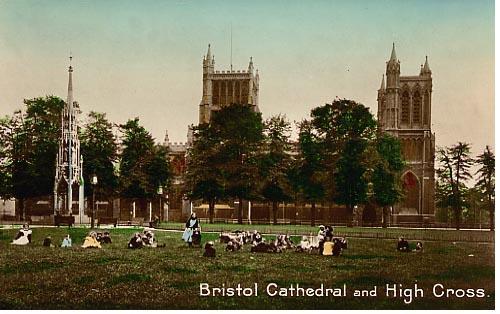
[{"x": 191, "y": 225}]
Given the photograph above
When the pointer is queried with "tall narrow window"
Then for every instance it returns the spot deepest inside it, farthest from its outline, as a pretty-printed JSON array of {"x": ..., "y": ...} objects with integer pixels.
[
  {"x": 417, "y": 107},
  {"x": 427, "y": 106},
  {"x": 405, "y": 108}
]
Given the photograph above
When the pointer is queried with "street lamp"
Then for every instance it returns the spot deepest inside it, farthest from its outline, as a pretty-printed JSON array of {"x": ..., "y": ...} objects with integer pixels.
[
  {"x": 160, "y": 193},
  {"x": 94, "y": 184}
]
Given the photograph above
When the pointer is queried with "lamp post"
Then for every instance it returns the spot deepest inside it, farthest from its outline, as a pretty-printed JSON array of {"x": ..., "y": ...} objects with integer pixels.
[
  {"x": 160, "y": 193},
  {"x": 168, "y": 205},
  {"x": 94, "y": 184}
]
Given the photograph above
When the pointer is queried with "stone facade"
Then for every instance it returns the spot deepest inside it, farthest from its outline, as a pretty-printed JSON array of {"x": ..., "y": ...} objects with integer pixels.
[
  {"x": 222, "y": 88},
  {"x": 404, "y": 111}
]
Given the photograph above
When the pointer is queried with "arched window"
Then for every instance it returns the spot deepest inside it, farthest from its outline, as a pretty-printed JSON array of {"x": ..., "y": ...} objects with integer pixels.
[
  {"x": 417, "y": 106},
  {"x": 405, "y": 108},
  {"x": 427, "y": 106}
]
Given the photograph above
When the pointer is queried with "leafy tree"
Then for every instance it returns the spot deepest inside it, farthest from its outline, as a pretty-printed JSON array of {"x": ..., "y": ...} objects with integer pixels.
[
  {"x": 385, "y": 178},
  {"x": 100, "y": 153},
  {"x": 486, "y": 180},
  {"x": 143, "y": 165},
  {"x": 275, "y": 162},
  {"x": 307, "y": 175},
  {"x": 240, "y": 131},
  {"x": 350, "y": 181},
  {"x": 203, "y": 176},
  {"x": 35, "y": 142},
  {"x": 6, "y": 136},
  {"x": 344, "y": 129},
  {"x": 455, "y": 171}
]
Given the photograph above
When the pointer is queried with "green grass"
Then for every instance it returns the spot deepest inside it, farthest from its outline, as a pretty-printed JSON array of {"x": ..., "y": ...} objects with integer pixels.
[{"x": 36, "y": 277}]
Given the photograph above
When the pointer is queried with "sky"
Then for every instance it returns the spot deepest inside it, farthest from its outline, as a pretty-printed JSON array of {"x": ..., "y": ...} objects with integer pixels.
[{"x": 144, "y": 58}]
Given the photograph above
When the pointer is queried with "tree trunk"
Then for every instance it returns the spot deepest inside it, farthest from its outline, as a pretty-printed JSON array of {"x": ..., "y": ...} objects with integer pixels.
[
  {"x": 350, "y": 215},
  {"x": 240, "y": 211},
  {"x": 457, "y": 218},
  {"x": 492, "y": 213},
  {"x": 211, "y": 210},
  {"x": 313, "y": 214},
  {"x": 384, "y": 217},
  {"x": 21, "y": 209},
  {"x": 275, "y": 212}
]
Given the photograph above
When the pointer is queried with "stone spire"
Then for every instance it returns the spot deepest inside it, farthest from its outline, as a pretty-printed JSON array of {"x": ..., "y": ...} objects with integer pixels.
[
  {"x": 393, "y": 53},
  {"x": 70, "y": 85},
  {"x": 382, "y": 85},
  {"x": 426, "y": 69},
  {"x": 209, "y": 54}
]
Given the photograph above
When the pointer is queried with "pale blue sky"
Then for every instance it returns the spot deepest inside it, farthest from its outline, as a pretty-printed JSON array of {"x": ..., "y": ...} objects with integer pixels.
[{"x": 143, "y": 58}]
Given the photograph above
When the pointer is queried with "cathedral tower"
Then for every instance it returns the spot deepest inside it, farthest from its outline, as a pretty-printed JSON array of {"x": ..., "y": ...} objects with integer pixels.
[
  {"x": 404, "y": 111},
  {"x": 222, "y": 88}
]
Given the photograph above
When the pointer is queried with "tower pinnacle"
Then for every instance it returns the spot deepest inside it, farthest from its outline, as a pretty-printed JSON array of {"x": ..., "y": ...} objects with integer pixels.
[
  {"x": 393, "y": 53},
  {"x": 382, "y": 85},
  {"x": 426, "y": 68}
]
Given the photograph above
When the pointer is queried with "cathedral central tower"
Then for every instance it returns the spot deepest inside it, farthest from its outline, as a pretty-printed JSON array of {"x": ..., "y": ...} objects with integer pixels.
[{"x": 222, "y": 88}]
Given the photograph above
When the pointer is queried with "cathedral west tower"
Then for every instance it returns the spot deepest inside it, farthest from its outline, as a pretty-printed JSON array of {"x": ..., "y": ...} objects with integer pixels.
[{"x": 404, "y": 111}]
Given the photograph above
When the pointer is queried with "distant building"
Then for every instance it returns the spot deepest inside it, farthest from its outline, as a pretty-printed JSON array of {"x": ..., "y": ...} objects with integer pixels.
[
  {"x": 222, "y": 88},
  {"x": 404, "y": 110}
]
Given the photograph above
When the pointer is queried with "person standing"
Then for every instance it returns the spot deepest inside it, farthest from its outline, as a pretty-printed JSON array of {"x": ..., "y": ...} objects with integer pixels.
[{"x": 191, "y": 224}]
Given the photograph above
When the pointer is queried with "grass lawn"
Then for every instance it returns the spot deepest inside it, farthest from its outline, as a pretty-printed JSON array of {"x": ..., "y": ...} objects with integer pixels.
[{"x": 36, "y": 277}]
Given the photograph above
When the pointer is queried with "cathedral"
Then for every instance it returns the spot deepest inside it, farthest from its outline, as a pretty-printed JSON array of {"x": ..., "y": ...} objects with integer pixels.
[
  {"x": 222, "y": 88},
  {"x": 404, "y": 111}
]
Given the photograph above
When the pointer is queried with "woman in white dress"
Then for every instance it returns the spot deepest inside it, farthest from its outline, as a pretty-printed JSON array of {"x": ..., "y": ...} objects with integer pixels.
[{"x": 23, "y": 237}]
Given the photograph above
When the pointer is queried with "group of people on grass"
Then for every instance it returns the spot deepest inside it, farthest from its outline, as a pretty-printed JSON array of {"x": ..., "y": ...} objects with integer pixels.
[{"x": 324, "y": 243}]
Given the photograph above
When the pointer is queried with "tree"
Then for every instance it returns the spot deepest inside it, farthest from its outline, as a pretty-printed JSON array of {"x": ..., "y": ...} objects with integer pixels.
[
  {"x": 203, "y": 176},
  {"x": 240, "y": 131},
  {"x": 6, "y": 136},
  {"x": 308, "y": 175},
  {"x": 344, "y": 129},
  {"x": 455, "y": 171},
  {"x": 100, "y": 153},
  {"x": 275, "y": 162},
  {"x": 143, "y": 165},
  {"x": 385, "y": 178},
  {"x": 486, "y": 180},
  {"x": 35, "y": 142}
]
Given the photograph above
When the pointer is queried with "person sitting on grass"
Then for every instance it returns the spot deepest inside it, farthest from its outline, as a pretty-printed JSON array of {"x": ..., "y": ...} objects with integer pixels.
[
  {"x": 338, "y": 246},
  {"x": 419, "y": 247},
  {"x": 328, "y": 247},
  {"x": 196, "y": 237},
  {"x": 48, "y": 242},
  {"x": 106, "y": 237},
  {"x": 256, "y": 238},
  {"x": 136, "y": 241},
  {"x": 233, "y": 246},
  {"x": 209, "y": 250},
  {"x": 66, "y": 241},
  {"x": 403, "y": 245},
  {"x": 23, "y": 237},
  {"x": 91, "y": 241}
]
